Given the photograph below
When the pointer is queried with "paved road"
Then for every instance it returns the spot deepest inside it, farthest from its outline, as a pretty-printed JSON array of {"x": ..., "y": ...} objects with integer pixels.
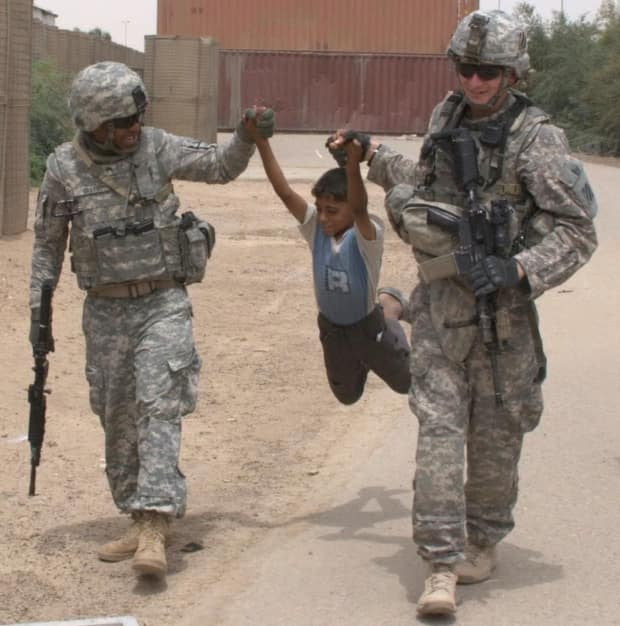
[{"x": 352, "y": 563}]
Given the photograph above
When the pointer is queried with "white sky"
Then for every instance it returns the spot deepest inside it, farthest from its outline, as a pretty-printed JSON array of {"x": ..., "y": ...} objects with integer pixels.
[{"x": 131, "y": 20}]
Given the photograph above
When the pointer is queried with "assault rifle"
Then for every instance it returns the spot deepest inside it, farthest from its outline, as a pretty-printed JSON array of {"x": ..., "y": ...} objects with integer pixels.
[
  {"x": 480, "y": 235},
  {"x": 37, "y": 391}
]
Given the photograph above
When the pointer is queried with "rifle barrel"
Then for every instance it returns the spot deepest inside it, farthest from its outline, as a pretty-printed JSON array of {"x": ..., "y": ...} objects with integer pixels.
[{"x": 33, "y": 478}]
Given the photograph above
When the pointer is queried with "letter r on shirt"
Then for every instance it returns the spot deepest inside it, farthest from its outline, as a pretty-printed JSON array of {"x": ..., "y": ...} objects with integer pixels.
[{"x": 337, "y": 280}]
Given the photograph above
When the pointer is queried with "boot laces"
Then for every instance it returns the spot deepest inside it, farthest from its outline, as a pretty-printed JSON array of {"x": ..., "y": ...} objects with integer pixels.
[
  {"x": 441, "y": 581},
  {"x": 152, "y": 533}
]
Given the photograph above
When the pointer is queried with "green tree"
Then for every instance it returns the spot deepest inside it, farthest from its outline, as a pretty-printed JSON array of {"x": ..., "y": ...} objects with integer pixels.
[
  {"x": 538, "y": 38},
  {"x": 576, "y": 74},
  {"x": 102, "y": 34},
  {"x": 603, "y": 92},
  {"x": 50, "y": 121},
  {"x": 95, "y": 32}
]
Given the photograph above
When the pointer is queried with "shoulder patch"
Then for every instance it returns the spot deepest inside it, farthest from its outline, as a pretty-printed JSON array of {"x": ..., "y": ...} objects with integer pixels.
[{"x": 574, "y": 177}]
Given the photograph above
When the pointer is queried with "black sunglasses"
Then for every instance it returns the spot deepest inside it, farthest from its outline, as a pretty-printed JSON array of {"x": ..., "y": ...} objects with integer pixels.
[
  {"x": 485, "y": 72},
  {"x": 127, "y": 122}
]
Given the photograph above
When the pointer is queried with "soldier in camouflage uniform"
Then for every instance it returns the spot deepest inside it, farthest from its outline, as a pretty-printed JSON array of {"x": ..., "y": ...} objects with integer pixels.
[
  {"x": 525, "y": 160},
  {"x": 109, "y": 192}
]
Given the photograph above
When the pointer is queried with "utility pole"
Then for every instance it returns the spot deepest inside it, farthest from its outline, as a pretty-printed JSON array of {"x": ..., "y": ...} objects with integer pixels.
[{"x": 125, "y": 22}]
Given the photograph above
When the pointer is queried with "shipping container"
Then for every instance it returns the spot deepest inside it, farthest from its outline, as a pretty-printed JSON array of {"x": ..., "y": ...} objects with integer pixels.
[
  {"x": 181, "y": 77},
  {"x": 311, "y": 92},
  {"x": 384, "y": 26},
  {"x": 15, "y": 79}
]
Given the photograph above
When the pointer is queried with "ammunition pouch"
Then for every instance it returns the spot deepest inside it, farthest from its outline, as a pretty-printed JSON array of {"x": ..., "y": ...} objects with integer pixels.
[
  {"x": 196, "y": 243},
  {"x": 142, "y": 252}
]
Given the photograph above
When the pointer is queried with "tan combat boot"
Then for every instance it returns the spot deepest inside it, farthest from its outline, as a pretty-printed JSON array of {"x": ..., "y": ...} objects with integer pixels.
[
  {"x": 479, "y": 563},
  {"x": 150, "y": 557},
  {"x": 123, "y": 548},
  {"x": 439, "y": 595}
]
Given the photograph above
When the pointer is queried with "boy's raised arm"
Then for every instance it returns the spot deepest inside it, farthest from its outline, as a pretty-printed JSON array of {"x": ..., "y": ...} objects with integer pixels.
[
  {"x": 291, "y": 199},
  {"x": 357, "y": 197}
]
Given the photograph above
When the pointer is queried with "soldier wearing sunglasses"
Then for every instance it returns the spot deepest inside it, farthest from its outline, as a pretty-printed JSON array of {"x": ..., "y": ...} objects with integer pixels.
[
  {"x": 109, "y": 193},
  {"x": 524, "y": 161}
]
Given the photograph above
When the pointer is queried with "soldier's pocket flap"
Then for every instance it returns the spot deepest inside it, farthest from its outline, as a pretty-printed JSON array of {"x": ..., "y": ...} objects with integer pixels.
[{"x": 180, "y": 362}]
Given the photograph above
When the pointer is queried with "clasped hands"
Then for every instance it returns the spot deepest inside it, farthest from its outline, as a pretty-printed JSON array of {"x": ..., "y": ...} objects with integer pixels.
[
  {"x": 345, "y": 144},
  {"x": 257, "y": 121}
]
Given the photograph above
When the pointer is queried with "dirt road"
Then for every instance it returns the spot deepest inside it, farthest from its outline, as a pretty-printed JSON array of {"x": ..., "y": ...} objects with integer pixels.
[{"x": 301, "y": 505}]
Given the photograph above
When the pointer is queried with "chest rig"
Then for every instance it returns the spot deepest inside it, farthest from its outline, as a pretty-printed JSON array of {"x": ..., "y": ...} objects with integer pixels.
[
  {"x": 500, "y": 140},
  {"x": 124, "y": 227}
]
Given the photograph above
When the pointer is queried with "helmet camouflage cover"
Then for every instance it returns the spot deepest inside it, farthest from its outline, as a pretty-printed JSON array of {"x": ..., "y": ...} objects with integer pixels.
[
  {"x": 491, "y": 38},
  {"x": 105, "y": 91}
]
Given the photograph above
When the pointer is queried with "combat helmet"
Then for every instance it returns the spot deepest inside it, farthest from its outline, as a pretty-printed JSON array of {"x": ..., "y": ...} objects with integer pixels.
[
  {"x": 491, "y": 38},
  {"x": 105, "y": 91}
]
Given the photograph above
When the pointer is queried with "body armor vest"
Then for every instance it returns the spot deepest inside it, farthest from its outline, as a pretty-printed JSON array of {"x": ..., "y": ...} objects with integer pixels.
[
  {"x": 500, "y": 140},
  {"x": 124, "y": 226}
]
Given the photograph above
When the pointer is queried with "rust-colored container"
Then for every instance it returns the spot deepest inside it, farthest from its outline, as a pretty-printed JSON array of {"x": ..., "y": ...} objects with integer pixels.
[
  {"x": 396, "y": 26},
  {"x": 381, "y": 93}
]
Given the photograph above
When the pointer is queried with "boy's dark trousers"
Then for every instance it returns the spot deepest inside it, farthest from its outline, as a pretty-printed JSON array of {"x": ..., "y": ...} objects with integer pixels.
[{"x": 372, "y": 344}]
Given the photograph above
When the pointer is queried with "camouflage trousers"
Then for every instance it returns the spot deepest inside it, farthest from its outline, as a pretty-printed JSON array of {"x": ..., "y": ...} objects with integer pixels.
[
  {"x": 468, "y": 449},
  {"x": 142, "y": 369}
]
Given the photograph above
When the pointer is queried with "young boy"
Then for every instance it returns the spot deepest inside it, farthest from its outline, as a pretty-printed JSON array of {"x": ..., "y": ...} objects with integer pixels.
[{"x": 357, "y": 334}]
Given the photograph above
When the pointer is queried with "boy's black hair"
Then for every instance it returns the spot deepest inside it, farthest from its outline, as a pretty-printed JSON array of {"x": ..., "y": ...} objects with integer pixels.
[{"x": 332, "y": 183}]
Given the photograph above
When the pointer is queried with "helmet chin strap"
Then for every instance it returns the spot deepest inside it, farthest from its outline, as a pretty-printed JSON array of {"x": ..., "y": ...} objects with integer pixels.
[
  {"x": 501, "y": 92},
  {"x": 108, "y": 146}
]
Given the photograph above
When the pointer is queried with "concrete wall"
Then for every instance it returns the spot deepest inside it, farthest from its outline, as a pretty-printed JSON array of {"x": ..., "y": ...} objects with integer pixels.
[{"x": 72, "y": 51}]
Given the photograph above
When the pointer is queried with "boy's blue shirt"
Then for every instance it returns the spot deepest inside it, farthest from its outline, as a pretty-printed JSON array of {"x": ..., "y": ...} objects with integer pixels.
[{"x": 346, "y": 272}]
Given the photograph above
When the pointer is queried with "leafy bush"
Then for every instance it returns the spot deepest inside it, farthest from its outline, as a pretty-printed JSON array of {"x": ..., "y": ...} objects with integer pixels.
[
  {"x": 50, "y": 122},
  {"x": 576, "y": 75}
]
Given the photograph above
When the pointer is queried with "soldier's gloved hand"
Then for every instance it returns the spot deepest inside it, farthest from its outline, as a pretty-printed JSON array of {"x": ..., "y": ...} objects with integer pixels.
[
  {"x": 263, "y": 120},
  {"x": 33, "y": 335},
  {"x": 493, "y": 273},
  {"x": 338, "y": 152}
]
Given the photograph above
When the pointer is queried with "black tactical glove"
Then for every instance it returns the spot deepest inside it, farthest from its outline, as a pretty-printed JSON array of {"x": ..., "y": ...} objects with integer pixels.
[
  {"x": 33, "y": 336},
  {"x": 493, "y": 273},
  {"x": 340, "y": 153},
  {"x": 265, "y": 124}
]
